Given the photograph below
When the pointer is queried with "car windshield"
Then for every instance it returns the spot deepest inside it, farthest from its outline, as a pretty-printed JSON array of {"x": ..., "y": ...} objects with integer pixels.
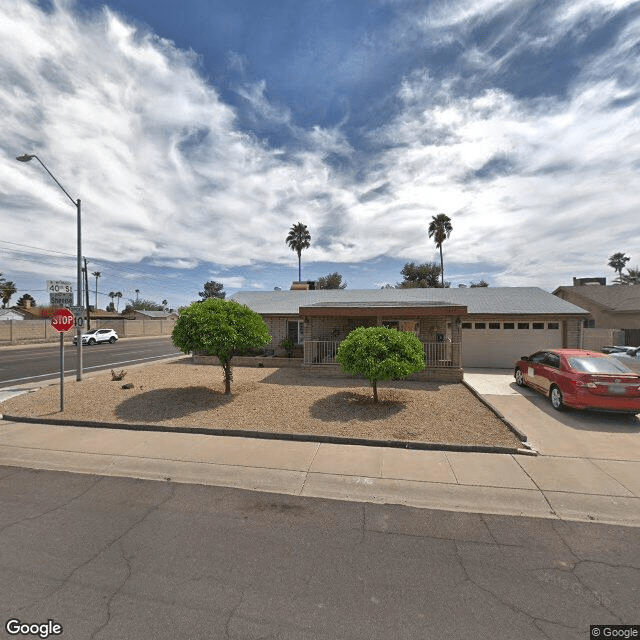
[
  {"x": 88, "y": 333},
  {"x": 586, "y": 364}
]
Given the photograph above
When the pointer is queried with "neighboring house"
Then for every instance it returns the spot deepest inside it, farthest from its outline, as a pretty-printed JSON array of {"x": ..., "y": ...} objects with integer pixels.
[
  {"x": 474, "y": 327},
  {"x": 613, "y": 306},
  {"x": 140, "y": 314},
  {"x": 12, "y": 314}
]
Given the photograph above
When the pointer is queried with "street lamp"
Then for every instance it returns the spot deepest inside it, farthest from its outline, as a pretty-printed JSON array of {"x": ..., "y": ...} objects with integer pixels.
[{"x": 26, "y": 158}]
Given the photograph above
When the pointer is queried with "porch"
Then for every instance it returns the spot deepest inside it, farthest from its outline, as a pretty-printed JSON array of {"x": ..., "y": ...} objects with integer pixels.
[{"x": 437, "y": 354}]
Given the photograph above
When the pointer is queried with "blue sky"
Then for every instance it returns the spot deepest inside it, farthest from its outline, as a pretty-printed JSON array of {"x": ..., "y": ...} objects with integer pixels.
[{"x": 197, "y": 132}]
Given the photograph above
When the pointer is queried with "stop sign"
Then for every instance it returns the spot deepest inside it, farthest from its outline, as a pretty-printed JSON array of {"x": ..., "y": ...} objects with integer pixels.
[{"x": 62, "y": 320}]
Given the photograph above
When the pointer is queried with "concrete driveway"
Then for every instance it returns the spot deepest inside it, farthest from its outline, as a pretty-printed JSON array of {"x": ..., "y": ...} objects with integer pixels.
[{"x": 572, "y": 433}]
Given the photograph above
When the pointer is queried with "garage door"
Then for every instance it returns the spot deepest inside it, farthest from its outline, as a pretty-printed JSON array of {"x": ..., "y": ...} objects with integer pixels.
[{"x": 500, "y": 344}]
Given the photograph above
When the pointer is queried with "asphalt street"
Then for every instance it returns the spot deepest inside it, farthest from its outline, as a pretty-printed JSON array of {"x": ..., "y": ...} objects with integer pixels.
[
  {"x": 24, "y": 364},
  {"x": 109, "y": 558}
]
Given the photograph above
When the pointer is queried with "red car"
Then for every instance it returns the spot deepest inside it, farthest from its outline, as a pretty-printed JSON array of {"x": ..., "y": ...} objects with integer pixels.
[{"x": 581, "y": 380}]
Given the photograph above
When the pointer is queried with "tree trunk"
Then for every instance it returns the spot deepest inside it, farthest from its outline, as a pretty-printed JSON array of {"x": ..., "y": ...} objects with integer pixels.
[
  {"x": 441, "y": 267},
  {"x": 375, "y": 391},
  {"x": 299, "y": 266},
  {"x": 228, "y": 377}
]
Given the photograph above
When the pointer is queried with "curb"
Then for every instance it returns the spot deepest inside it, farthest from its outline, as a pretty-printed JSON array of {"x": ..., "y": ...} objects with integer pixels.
[
  {"x": 268, "y": 435},
  {"x": 528, "y": 450}
]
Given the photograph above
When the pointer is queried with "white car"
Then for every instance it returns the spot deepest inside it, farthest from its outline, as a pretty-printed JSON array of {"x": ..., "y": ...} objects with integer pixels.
[
  {"x": 97, "y": 335},
  {"x": 631, "y": 358}
]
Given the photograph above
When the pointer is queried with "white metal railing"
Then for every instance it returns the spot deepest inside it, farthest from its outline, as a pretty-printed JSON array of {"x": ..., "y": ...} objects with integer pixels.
[
  {"x": 320, "y": 351},
  {"x": 437, "y": 354},
  {"x": 442, "y": 354}
]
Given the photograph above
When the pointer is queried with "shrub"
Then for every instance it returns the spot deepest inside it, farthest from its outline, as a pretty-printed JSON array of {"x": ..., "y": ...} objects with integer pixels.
[{"x": 379, "y": 353}]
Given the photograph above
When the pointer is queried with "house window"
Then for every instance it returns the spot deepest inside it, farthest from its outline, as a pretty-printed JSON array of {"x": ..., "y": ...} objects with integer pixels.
[
  {"x": 538, "y": 325},
  {"x": 466, "y": 325},
  {"x": 494, "y": 325},
  {"x": 553, "y": 325},
  {"x": 523, "y": 325},
  {"x": 295, "y": 331},
  {"x": 508, "y": 325},
  {"x": 481, "y": 325},
  {"x": 589, "y": 324}
]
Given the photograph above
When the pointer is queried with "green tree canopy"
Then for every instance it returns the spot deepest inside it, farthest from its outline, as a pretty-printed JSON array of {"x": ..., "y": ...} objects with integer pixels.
[
  {"x": 220, "y": 328},
  {"x": 331, "y": 281},
  {"x": 298, "y": 239},
  {"x": 380, "y": 353},
  {"x": 212, "y": 289},
  {"x": 143, "y": 305},
  {"x": 482, "y": 283},
  {"x": 420, "y": 276}
]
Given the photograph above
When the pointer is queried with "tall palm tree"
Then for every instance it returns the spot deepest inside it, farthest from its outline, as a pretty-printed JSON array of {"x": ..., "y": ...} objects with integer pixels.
[
  {"x": 617, "y": 262},
  {"x": 97, "y": 274},
  {"x": 298, "y": 239},
  {"x": 117, "y": 296},
  {"x": 440, "y": 229}
]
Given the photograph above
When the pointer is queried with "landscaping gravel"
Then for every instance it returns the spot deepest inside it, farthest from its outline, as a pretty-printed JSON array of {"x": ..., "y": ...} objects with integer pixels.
[{"x": 183, "y": 394}]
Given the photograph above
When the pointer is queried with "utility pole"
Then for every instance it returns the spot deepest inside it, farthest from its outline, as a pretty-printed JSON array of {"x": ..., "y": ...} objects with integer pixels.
[{"x": 86, "y": 290}]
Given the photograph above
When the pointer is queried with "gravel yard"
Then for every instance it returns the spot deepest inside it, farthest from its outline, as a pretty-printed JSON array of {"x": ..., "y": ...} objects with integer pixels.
[{"x": 180, "y": 393}]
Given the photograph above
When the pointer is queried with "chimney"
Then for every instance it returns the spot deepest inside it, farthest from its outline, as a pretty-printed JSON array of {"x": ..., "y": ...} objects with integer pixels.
[{"x": 305, "y": 285}]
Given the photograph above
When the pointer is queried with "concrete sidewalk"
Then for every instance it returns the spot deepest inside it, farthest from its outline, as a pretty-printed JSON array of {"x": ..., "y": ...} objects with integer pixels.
[
  {"x": 549, "y": 487},
  {"x": 592, "y": 487}
]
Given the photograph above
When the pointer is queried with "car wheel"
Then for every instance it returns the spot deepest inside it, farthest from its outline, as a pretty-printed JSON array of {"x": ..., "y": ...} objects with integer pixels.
[
  {"x": 555, "y": 395},
  {"x": 519, "y": 378},
  {"x": 112, "y": 340},
  {"x": 91, "y": 341}
]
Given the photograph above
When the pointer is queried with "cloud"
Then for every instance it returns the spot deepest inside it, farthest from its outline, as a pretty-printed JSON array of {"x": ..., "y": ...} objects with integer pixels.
[{"x": 170, "y": 173}]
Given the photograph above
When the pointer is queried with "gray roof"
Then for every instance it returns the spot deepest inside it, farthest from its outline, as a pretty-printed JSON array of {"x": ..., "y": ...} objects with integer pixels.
[
  {"x": 616, "y": 297},
  {"x": 478, "y": 300}
]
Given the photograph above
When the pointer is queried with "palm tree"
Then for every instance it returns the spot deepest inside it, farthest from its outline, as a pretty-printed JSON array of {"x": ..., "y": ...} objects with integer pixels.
[
  {"x": 617, "y": 262},
  {"x": 137, "y": 294},
  {"x": 7, "y": 289},
  {"x": 440, "y": 229},
  {"x": 298, "y": 239},
  {"x": 632, "y": 276},
  {"x": 118, "y": 295},
  {"x": 97, "y": 274}
]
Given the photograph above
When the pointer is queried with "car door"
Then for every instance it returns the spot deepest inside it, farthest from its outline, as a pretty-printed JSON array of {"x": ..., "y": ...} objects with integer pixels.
[
  {"x": 533, "y": 372},
  {"x": 102, "y": 335},
  {"x": 549, "y": 370}
]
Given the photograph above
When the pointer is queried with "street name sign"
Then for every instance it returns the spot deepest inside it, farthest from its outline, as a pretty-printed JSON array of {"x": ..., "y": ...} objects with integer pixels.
[
  {"x": 60, "y": 293},
  {"x": 62, "y": 320}
]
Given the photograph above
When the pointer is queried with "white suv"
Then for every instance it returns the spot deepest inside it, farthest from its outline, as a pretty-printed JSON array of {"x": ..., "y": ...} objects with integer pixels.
[{"x": 97, "y": 335}]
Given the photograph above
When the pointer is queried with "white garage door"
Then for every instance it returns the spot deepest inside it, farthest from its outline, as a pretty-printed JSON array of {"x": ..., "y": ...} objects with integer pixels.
[{"x": 500, "y": 344}]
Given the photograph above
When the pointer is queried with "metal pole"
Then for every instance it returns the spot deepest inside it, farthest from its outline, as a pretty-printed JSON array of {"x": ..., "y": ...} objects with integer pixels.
[
  {"x": 61, "y": 371},
  {"x": 79, "y": 327}
]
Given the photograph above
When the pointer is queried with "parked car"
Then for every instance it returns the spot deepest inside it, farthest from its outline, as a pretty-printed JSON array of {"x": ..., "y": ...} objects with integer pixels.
[
  {"x": 630, "y": 358},
  {"x": 97, "y": 335},
  {"x": 617, "y": 349},
  {"x": 581, "y": 380}
]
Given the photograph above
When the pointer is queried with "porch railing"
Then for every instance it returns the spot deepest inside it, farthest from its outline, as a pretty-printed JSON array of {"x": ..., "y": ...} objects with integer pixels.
[{"x": 437, "y": 354}]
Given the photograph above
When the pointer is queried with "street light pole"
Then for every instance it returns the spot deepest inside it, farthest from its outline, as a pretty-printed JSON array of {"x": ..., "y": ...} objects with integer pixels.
[{"x": 26, "y": 158}]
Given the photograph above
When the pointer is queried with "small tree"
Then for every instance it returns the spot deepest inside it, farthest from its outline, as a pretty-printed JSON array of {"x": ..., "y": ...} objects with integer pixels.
[
  {"x": 220, "y": 328},
  {"x": 212, "y": 289},
  {"x": 7, "y": 289},
  {"x": 379, "y": 353},
  {"x": 331, "y": 281},
  {"x": 476, "y": 285}
]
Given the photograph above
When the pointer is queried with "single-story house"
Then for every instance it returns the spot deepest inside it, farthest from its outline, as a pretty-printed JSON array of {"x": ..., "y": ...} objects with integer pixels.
[
  {"x": 13, "y": 314},
  {"x": 471, "y": 327},
  {"x": 614, "y": 306}
]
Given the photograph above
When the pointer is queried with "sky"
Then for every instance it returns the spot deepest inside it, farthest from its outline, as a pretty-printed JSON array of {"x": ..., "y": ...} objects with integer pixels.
[{"x": 196, "y": 133}]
